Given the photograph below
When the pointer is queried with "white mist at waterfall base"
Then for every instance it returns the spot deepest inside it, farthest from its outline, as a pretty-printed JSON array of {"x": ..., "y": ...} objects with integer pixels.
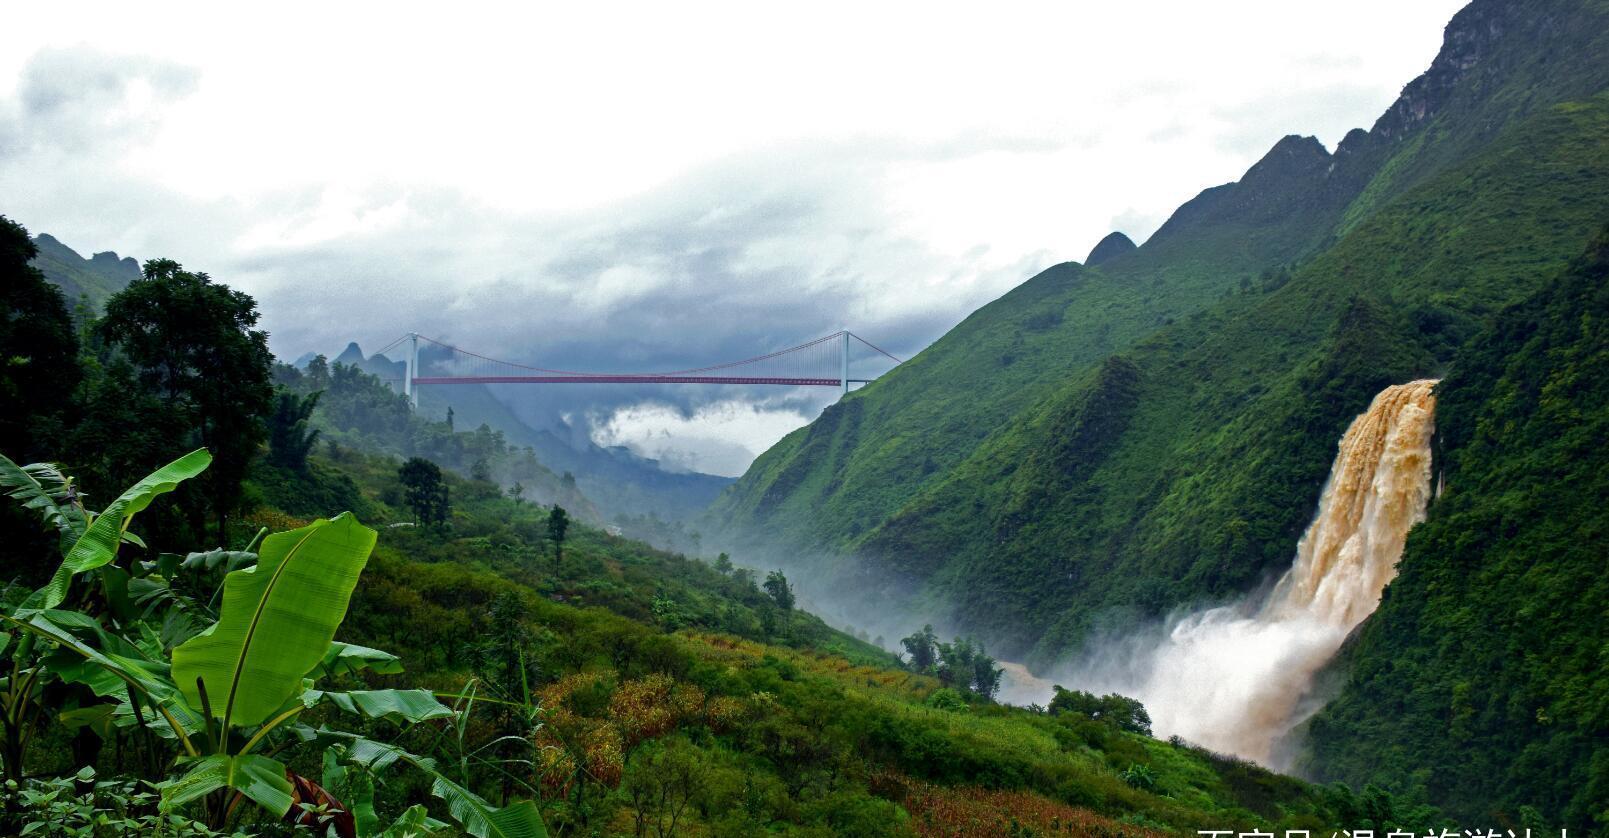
[{"x": 1237, "y": 679}]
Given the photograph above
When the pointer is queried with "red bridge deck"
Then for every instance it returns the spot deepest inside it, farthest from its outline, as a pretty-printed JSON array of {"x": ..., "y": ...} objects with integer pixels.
[{"x": 626, "y": 379}]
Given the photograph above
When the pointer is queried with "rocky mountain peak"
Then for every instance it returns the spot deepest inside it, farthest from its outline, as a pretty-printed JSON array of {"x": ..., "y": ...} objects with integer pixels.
[{"x": 1114, "y": 245}]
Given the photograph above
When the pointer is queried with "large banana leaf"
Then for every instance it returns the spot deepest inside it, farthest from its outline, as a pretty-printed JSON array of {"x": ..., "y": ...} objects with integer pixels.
[
  {"x": 111, "y": 673},
  {"x": 473, "y": 813},
  {"x": 97, "y": 547},
  {"x": 405, "y": 705},
  {"x": 40, "y": 486},
  {"x": 257, "y": 777},
  {"x": 89, "y": 665},
  {"x": 276, "y": 621},
  {"x": 349, "y": 658}
]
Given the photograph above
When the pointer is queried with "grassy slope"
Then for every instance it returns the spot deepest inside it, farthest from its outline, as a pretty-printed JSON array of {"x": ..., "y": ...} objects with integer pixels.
[
  {"x": 1487, "y": 652},
  {"x": 800, "y": 729}
]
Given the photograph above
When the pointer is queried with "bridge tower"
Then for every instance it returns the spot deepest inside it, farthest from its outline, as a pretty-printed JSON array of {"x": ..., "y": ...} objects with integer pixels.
[
  {"x": 843, "y": 361},
  {"x": 410, "y": 389}
]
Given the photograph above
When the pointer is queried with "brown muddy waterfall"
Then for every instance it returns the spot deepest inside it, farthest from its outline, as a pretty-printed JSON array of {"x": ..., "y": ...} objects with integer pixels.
[{"x": 1236, "y": 679}]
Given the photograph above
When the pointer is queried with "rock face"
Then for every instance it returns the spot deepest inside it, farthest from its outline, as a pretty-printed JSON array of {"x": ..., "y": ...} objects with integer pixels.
[{"x": 1109, "y": 248}]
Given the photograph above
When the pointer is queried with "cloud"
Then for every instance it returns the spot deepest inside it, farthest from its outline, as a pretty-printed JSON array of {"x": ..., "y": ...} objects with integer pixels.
[
  {"x": 70, "y": 100},
  {"x": 658, "y": 190},
  {"x": 718, "y": 438}
]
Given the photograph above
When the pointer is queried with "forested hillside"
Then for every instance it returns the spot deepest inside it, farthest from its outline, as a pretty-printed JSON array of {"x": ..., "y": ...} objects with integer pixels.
[
  {"x": 1106, "y": 444},
  {"x": 1486, "y": 657},
  {"x": 1021, "y": 478}
]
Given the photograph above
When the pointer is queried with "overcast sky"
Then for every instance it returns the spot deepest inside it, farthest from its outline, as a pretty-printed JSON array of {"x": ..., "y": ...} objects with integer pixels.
[{"x": 655, "y": 186}]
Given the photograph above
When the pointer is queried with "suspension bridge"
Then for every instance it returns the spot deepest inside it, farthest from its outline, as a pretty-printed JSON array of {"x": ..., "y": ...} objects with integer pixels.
[{"x": 823, "y": 362}]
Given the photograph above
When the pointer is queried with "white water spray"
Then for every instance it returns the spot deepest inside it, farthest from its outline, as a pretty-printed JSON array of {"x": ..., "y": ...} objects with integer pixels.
[{"x": 1234, "y": 679}]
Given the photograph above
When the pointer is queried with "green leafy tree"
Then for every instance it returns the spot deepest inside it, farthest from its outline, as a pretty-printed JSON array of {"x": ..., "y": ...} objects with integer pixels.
[
  {"x": 318, "y": 373},
  {"x": 664, "y": 781},
  {"x": 290, "y": 439},
  {"x": 776, "y": 584},
  {"x": 985, "y": 675},
  {"x": 38, "y": 349},
  {"x": 558, "y": 525},
  {"x": 194, "y": 343},
  {"x": 38, "y": 372},
  {"x": 425, "y": 490},
  {"x": 922, "y": 649},
  {"x": 1118, "y": 710},
  {"x": 957, "y": 662},
  {"x": 723, "y": 563}
]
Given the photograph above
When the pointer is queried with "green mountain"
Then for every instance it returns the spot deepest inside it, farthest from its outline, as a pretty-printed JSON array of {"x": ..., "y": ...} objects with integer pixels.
[
  {"x": 1109, "y": 248},
  {"x": 92, "y": 280},
  {"x": 1107, "y": 443},
  {"x": 1488, "y": 649}
]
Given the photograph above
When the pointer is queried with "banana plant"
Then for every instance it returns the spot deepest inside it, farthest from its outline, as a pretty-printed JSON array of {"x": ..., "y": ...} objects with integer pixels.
[
  {"x": 226, "y": 698},
  {"x": 88, "y": 541},
  {"x": 473, "y": 813},
  {"x": 95, "y": 545}
]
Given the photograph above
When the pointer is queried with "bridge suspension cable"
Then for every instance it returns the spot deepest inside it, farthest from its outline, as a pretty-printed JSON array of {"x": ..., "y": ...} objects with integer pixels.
[{"x": 823, "y": 362}]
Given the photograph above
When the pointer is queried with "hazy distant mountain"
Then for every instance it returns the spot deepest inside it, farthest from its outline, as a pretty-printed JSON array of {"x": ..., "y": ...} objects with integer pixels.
[{"x": 93, "y": 279}]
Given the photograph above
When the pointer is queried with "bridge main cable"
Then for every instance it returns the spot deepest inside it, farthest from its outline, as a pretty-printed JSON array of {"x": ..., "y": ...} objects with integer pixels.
[{"x": 697, "y": 375}]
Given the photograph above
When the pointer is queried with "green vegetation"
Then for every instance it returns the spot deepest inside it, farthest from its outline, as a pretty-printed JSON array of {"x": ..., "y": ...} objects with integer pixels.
[
  {"x": 1489, "y": 647},
  {"x": 542, "y": 675},
  {"x": 211, "y": 711},
  {"x": 38, "y": 345},
  {"x": 194, "y": 344},
  {"x": 1105, "y": 444},
  {"x": 1123, "y": 712},
  {"x": 961, "y": 664},
  {"x": 632, "y": 688},
  {"x": 350, "y": 408}
]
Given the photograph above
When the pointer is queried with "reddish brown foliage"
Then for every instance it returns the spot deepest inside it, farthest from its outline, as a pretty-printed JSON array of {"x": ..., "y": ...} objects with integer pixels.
[{"x": 974, "y": 812}]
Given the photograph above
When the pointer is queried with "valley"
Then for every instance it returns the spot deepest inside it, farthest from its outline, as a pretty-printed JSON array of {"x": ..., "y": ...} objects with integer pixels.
[{"x": 1284, "y": 513}]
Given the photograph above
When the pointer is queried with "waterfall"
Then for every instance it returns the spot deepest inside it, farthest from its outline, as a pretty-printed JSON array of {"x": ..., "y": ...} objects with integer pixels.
[{"x": 1234, "y": 678}]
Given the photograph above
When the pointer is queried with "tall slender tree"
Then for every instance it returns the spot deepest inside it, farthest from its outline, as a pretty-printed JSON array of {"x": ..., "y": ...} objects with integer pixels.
[
  {"x": 776, "y": 584},
  {"x": 558, "y": 525},
  {"x": 426, "y": 491}
]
